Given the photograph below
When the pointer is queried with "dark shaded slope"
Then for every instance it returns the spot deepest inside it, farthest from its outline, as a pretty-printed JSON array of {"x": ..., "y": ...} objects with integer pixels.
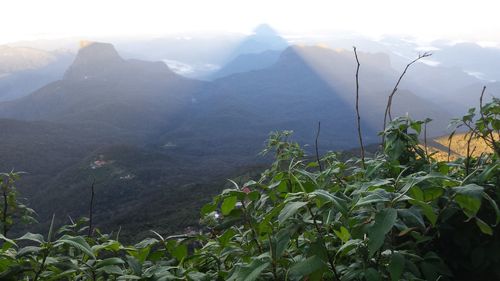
[
  {"x": 101, "y": 87},
  {"x": 306, "y": 85}
]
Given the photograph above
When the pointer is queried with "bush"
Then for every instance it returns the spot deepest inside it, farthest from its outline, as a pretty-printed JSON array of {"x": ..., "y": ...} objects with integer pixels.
[{"x": 399, "y": 216}]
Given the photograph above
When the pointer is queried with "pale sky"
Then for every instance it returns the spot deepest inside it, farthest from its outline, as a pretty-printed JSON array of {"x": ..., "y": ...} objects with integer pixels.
[{"x": 476, "y": 20}]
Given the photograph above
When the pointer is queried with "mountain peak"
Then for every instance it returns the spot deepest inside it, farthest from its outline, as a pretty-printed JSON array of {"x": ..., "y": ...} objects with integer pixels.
[
  {"x": 265, "y": 30},
  {"x": 93, "y": 58}
]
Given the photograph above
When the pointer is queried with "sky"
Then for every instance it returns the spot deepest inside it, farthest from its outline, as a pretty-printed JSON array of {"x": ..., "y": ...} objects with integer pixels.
[{"x": 425, "y": 19}]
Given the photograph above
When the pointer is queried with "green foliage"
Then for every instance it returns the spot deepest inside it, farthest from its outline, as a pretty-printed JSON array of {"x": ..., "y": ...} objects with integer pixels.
[
  {"x": 11, "y": 208},
  {"x": 405, "y": 216}
]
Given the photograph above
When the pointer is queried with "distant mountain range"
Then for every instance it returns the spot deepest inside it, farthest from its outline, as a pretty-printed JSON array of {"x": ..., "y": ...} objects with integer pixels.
[
  {"x": 157, "y": 141},
  {"x": 23, "y": 70}
]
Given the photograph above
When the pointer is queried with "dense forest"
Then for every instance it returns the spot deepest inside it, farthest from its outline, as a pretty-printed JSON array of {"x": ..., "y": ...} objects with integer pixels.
[{"x": 399, "y": 214}]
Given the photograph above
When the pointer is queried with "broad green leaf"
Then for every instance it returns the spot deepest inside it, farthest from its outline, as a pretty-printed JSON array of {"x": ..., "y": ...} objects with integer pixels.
[
  {"x": 134, "y": 264},
  {"x": 469, "y": 198},
  {"x": 427, "y": 210},
  {"x": 396, "y": 266},
  {"x": 250, "y": 272},
  {"x": 348, "y": 246},
  {"x": 10, "y": 241},
  {"x": 179, "y": 252},
  {"x": 77, "y": 242},
  {"x": 289, "y": 210},
  {"x": 110, "y": 261},
  {"x": 338, "y": 203},
  {"x": 412, "y": 217},
  {"x": 35, "y": 237},
  {"x": 111, "y": 269},
  {"x": 305, "y": 267},
  {"x": 384, "y": 221},
  {"x": 282, "y": 239},
  {"x": 371, "y": 274},
  {"x": 485, "y": 228},
  {"x": 228, "y": 204},
  {"x": 28, "y": 250},
  {"x": 128, "y": 277},
  {"x": 343, "y": 234},
  {"x": 494, "y": 206},
  {"x": 226, "y": 237},
  {"x": 375, "y": 196}
]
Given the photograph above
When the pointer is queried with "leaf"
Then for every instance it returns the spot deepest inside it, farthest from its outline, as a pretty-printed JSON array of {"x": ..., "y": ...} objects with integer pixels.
[
  {"x": 396, "y": 266},
  {"x": 338, "y": 203},
  {"x": 485, "y": 228},
  {"x": 32, "y": 237},
  {"x": 411, "y": 217},
  {"x": 208, "y": 208},
  {"x": 250, "y": 272},
  {"x": 384, "y": 221},
  {"x": 282, "y": 239},
  {"x": 226, "y": 237},
  {"x": 494, "y": 206},
  {"x": 134, "y": 264},
  {"x": 343, "y": 234},
  {"x": 371, "y": 274},
  {"x": 76, "y": 242},
  {"x": 468, "y": 198},
  {"x": 109, "y": 261},
  {"x": 348, "y": 246},
  {"x": 10, "y": 241},
  {"x": 28, "y": 250},
  {"x": 427, "y": 210},
  {"x": 228, "y": 204},
  {"x": 306, "y": 266},
  {"x": 111, "y": 269},
  {"x": 289, "y": 210},
  {"x": 178, "y": 251},
  {"x": 376, "y": 196}
]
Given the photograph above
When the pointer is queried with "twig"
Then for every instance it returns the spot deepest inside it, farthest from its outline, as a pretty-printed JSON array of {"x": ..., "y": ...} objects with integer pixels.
[
  {"x": 91, "y": 207},
  {"x": 449, "y": 147},
  {"x": 329, "y": 257},
  {"x": 395, "y": 89},
  {"x": 357, "y": 110},
  {"x": 317, "y": 152},
  {"x": 5, "y": 209},
  {"x": 493, "y": 142},
  {"x": 469, "y": 155},
  {"x": 425, "y": 142}
]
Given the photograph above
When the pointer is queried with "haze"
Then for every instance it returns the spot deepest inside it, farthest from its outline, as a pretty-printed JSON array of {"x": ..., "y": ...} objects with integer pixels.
[{"x": 425, "y": 19}]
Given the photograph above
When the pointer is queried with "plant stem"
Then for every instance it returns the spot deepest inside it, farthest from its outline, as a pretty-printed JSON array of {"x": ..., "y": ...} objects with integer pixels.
[
  {"x": 91, "y": 207},
  {"x": 360, "y": 136},
  {"x": 5, "y": 210},
  {"x": 316, "y": 145},
  {"x": 318, "y": 229},
  {"x": 395, "y": 89}
]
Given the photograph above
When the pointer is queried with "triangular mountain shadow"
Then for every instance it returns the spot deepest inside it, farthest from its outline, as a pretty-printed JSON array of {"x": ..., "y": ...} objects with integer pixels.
[
  {"x": 305, "y": 85},
  {"x": 246, "y": 55}
]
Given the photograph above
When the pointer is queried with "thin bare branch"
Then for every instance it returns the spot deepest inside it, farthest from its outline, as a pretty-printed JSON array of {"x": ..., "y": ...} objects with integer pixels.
[
  {"x": 492, "y": 138},
  {"x": 316, "y": 146},
  {"x": 91, "y": 208},
  {"x": 360, "y": 136},
  {"x": 395, "y": 89}
]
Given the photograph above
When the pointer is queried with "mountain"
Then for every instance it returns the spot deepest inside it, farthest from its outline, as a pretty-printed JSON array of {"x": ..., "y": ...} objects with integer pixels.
[
  {"x": 23, "y": 70},
  {"x": 100, "y": 87},
  {"x": 305, "y": 85},
  {"x": 479, "y": 61},
  {"x": 248, "y": 62},
  {"x": 155, "y": 141},
  {"x": 264, "y": 38}
]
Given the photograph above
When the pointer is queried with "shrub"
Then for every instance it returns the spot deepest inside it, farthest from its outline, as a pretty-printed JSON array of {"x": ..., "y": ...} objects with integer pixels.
[{"x": 400, "y": 216}]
